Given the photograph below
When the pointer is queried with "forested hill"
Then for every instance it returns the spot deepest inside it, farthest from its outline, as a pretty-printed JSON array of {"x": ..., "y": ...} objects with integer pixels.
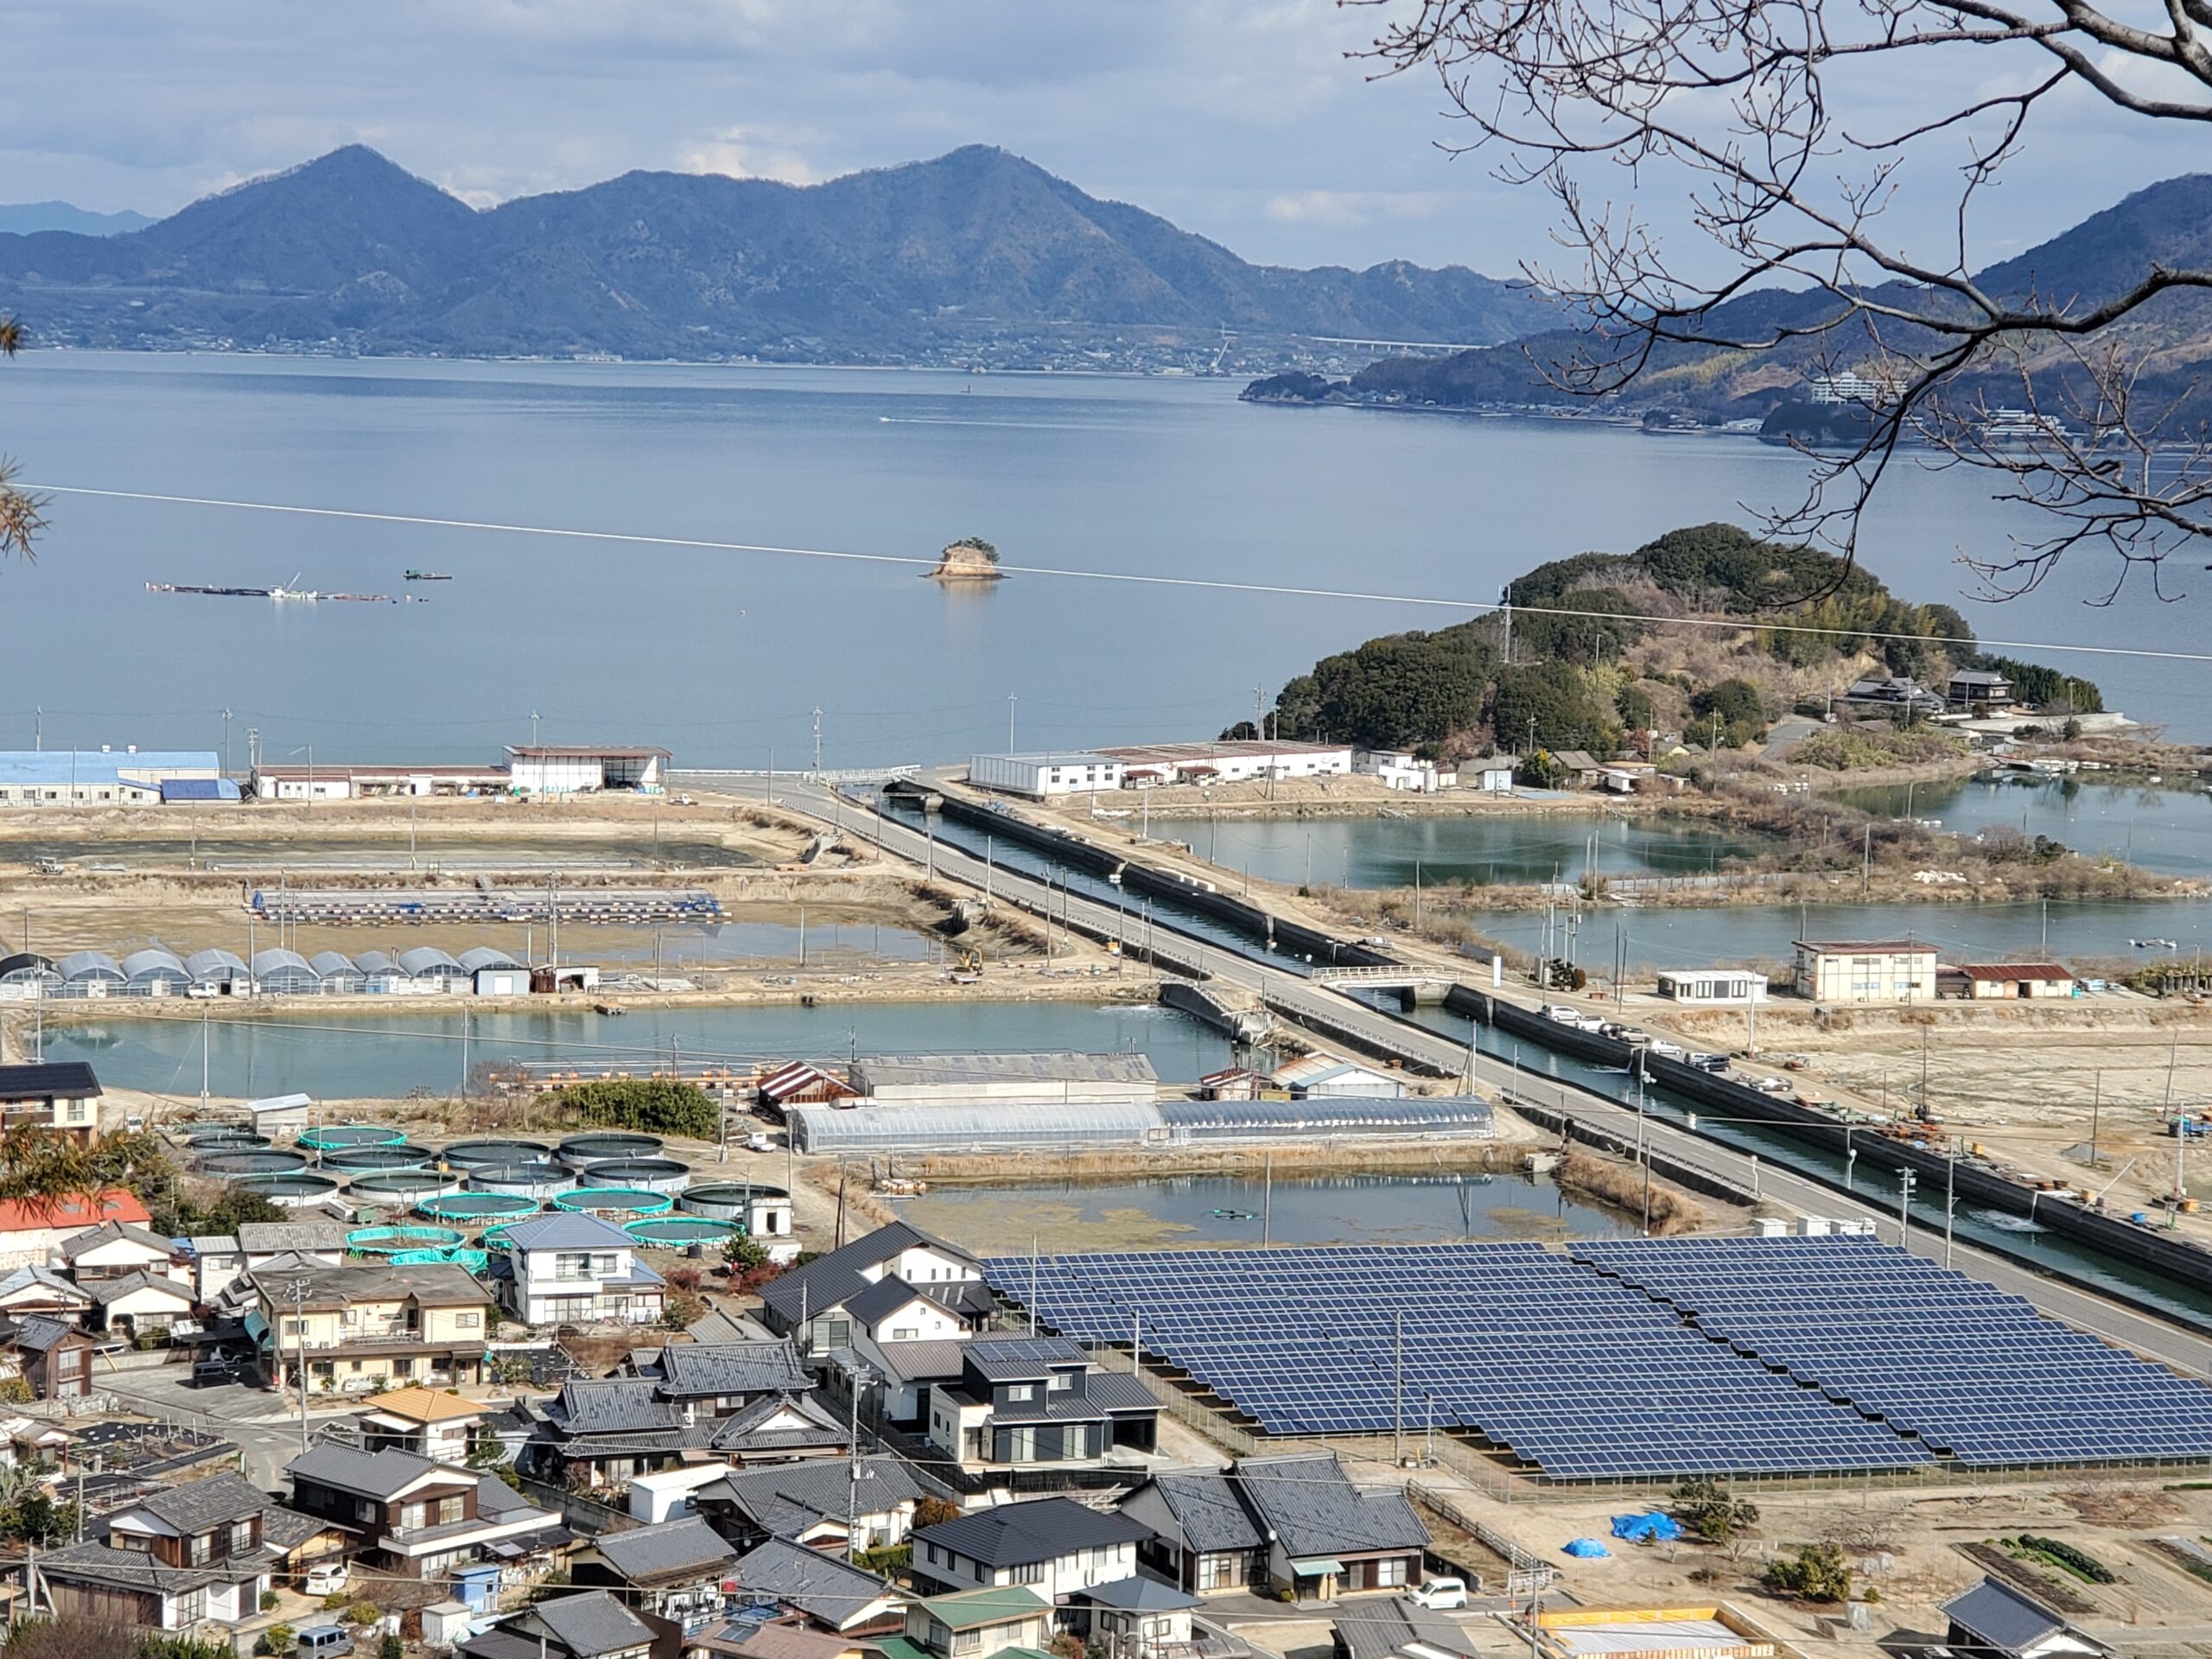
[
  {"x": 2168, "y": 224},
  {"x": 1589, "y": 665},
  {"x": 352, "y": 251}
]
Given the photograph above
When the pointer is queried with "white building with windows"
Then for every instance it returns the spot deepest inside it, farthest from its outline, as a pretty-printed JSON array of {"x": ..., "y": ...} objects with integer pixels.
[
  {"x": 1040, "y": 777},
  {"x": 1876, "y": 970},
  {"x": 1713, "y": 988},
  {"x": 575, "y": 769},
  {"x": 1402, "y": 769},
  {"x": 577, "y": 1269}
]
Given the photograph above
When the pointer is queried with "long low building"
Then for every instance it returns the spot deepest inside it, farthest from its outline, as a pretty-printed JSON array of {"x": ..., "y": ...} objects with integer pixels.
[
  {"x": 102, "y": 777},
  {"x": 972, "y": 1128},
  {"x": 1041, "y": 775},
  {"x": 1051, "y": 1078},
  {"x": 346, "y": 782}
]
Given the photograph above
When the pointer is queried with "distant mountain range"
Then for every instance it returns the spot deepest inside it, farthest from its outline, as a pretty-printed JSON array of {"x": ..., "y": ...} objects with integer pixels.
[
  {"x": 2170, "y": 223},
  {"x": 352, "y": 252},
  {"x": 23, "y": 218}
]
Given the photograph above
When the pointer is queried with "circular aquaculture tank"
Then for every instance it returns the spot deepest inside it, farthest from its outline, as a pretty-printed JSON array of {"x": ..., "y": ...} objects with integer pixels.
[
  {"x": 340, "y": 1137},
  {"x": 729, "y": 1200},
  {"x": 398, "y": 1241},
  {"x": 675, "y": 1232},
  {"x": 372, "y": 1160},
  {"x": 398, "y": 1189},
  {"x": 259, "y": 1161},
  {"x": 615, "y": 1201},
  {"x": 579, "y": 1150},
  {"x": 467, "y": 1154},
  {"x": 539, "y": 1179},
  {"x": 654, "y": 1174},
  {"x": 472, "y": 1209},
  {"x": 220, "y": 1137},
  {"x": 298, "y": 1188}
]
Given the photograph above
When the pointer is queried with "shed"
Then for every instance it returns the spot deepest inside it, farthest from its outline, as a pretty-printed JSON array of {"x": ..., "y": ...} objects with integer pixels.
[
  {"x": 1341, "y": 1078},
  {"x": 2001, "y": 981},
  {"x": 571, "y": 768},
  {"x": 1236, "y": 1082},
  {"x": 502, "y": 982},
  {"x": 279, "y": 1116},
  {"x": 445, "y": 1624},
  {"x": 802, "y": 1083},
  {"x": 479, "y": 958},
  {"x": 187, "y": 790}
]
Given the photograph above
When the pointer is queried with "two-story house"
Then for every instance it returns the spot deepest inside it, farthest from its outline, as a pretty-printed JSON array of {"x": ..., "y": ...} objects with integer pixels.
[
  {"x": 809, "y": 1303},
  {"x": 428, "y": 1422},
  {"x": 355, "y": 1325},
  {"x": 718, "y": 1379},
  {"x": 32, "y": 1229},
  {"x": 825, "y": 1503},
  {"x": 171, "y": 1559},
  {"x": 575, "y": 1269},
  {"x": 55, "y": 1357},
  {"x": 1294, "y": 1522},
  {"x": 413, "y": 1517},
  {"x": 605, "y": 1432},
  {"x": 215, "y": 1262},
  {"x": 975, "y": 1623},
  {"x": 675, "y": 1569},
  {"x": 116, "y": 1250},
  {"x": 1022, "y": 1401},
  {"x": 32, "y": 1289},
  {"x": 265, "y": 1243},
  {"x": 1054, "y": 1545},
  {"x": 59, "y": 1095}
]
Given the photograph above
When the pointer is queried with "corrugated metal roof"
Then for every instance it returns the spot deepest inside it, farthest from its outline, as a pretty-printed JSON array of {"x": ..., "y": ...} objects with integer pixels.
[
  {"x": 86, "y": 767},
  {"x": 830, "y": 1129},
  {"x": 924, "y": 1070},
  {"x": 198, "y": 789}
]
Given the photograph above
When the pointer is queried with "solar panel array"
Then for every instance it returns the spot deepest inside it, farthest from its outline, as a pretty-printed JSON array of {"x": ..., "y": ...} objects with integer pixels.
[
  {"x": 1977, "y": 1376},
  {"x": 1572, "y": 1371}
]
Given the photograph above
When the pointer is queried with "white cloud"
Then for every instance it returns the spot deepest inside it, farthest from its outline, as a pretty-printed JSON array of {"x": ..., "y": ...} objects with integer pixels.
[
  {"x": 737, "y": 153},
  {"x": 1350, "y": 209}
]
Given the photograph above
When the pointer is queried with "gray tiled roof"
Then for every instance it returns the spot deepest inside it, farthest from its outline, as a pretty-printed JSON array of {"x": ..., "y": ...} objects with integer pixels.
[
  {"x": 371, "y": 1474},
  {"x": 1206, "y": 1502},
  {"x": 434, "y": 1285},
  {"x": 284, "y": 1529},
  {"x": 830, "y": 1281},
  {"x": 592, "y": 1623},
  {"x": 38, "y": 1333},
  {"x": 785, "y": 1499},
  {"x": 1137, "y": 1596},
  {"x": 689, "y": 1547},
  {"x": 205, "y": 1504},
  {"x": 1374, "y": 1630},
  {"x": 1042, "y": 1530},
  {"x": 1314, "y": 1509},
  {"x": 2003, "y": 1618},
  {"x": 622, "y": 1405},
  {"x": 821, "y": 1586},
  {"x": 104, "y": 1291},
  {"x": 568, "y": 1230},
  {"x": 937, "y": 1360},
  {"x": 107, "y": 1233},
  {"x": 698, "y": 1370},
  {"x": 268, "y": 1237},
  {"x": 718, "y": 1327},
  {"x": 32, "y": 1273},
  {"x": 134, "y": 1569},
  {"x": 881, "y": 1300}
]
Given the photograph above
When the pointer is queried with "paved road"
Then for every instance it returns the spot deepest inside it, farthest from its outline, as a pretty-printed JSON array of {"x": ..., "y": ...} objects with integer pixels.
[
  {"x": 1295, "y": 995},
  {"x": 252, "y": 1418}
]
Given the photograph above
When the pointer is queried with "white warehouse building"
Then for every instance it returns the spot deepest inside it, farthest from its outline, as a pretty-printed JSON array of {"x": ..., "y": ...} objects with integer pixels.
[
  {"x": 572, "y": 769},
  {"x": 1042, "y": 775}
]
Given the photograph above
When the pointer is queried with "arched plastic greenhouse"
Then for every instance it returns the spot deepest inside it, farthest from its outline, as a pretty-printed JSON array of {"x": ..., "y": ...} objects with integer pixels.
[
  {"x": 477, "y": 959},
  {"x": 26, "y": 969},
  {"x": 428, "y": 965},
  {"x": 91, "y": 973},
  {"x": 286, "y": 972},
  {"x": 380, "y": 972},
  {"x": 218, "y": 969},
  {"x": 335, "y": 973},
  {"x": 155, "y": 972}
]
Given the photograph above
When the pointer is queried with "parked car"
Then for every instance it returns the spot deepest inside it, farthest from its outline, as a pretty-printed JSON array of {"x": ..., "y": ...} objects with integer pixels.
[
  {"x": 324, "y": 1641},
  {"x": 1667, "y": 1050},
  {"x": 1772, "y": 1085},
  {"x": 216, "y": 1371},
  {"x": 1710, "y": 1062},
  {"x": 759, "y": 1142},
  {"x": 327, "y": 1578},
  {"x": 1560, "y": 1013},
  {"x": 1441, "y": 1594}
]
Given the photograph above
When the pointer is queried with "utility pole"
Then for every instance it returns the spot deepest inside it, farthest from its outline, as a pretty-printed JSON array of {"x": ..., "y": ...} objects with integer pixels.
[
  {"x": 226, "y": 742},
  {"x": 1011, "y": 699},
  {"x": 1904, "y": 1202},
  {"x": 2096, "y": 1101},
  {"x": 818, "y": 742},
  {"x": 298, "y": 1296},
  {"x": 1950, "y": 1198},
  {"x": 203, "y": 1056},
  {"x": 533, "y": 728},
  {"x": 1866, "y": 862},
  {"x": 862, "y": 1377}
]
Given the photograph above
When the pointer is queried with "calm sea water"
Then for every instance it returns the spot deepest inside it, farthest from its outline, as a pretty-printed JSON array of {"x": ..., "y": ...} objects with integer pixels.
[
  {"x": 2165, "y": 827},
  {"x": 721, "y": 655}
]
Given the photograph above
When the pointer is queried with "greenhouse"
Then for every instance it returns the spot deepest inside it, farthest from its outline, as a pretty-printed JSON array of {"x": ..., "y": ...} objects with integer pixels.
[
  {"x": 1253, "y": 1120},
  {"x": 428, "y": 965},
  {"x": 28, "y": 975},
  {"x": 380, "y": 972},
  {"x": 217, "y": 968},
  {"x": 335, "y": 973},
  {"x": 284, "y": 971},
  {"x": 91, "y": 973},
  {"x": 477, "y": 959},
  {"x": 818, "y": 1129},
  {"x": 155, "y": 972}
]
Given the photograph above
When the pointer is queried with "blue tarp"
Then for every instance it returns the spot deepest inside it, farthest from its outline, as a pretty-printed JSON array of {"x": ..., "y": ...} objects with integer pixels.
[
  {"x": 1588, "y": 1549},
  {"x": 1652, "y": 1528}
]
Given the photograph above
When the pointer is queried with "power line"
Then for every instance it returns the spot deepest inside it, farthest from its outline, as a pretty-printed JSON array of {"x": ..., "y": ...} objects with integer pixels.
[{"x": 1137, "y": 578}]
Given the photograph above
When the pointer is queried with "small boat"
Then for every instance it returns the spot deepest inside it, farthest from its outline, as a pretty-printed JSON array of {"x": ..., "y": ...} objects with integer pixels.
[
  {"x": 1234, "y": 1215},
  {"x": 2154, "y": 944},
  {"x": 610, "y": 1009},
  {"x": 428, "y": 575}
]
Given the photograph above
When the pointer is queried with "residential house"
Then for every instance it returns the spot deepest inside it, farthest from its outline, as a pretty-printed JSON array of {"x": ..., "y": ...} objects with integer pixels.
[
  {"x": 1978, "y": 691},
  {"x": 749, "y": 1638},
  {"x": 1024, "y": 1401},
  {"x": 1327, "y": 1077},
  {"x": 1876, "y": 970},
  {"x": 1400, "y": 1628},
  {"x": 215, "y": 1262},
  {"x": 141, "y": 1304},
  {"x": 574, "y": 1268},
  {"x": 1894, "y": 695},
  {"x": 1133, "y": 1618},
  {"x": 808, "y": 1304},
  {"x": 2002, "y": 981},
  {"x": 975, "y": 1623},
  {"x": 32, "y": 1230},
  {"x": 356, "y": 1326},
  {"x": 718, "y": 1379},
  {"x": 1402, "y": 769},
  {"x": 116, "y": 1249},
  {"x": 265, "y": 1243},
  {"x": 32, "y": 1289},
  {"x": 1577, "y": 767},
  {"x": 171, "y": 1559},
  {"x": 893, "y": 1378},
  {"x": 675, "y": 1569},
  {"x": 608, "y": 1432},
  {"x": 1054, "y": 1545},
  {"x": 56, "y": 1357},
  {"x": 411, "y": 1517},
  {"x": 811, "y": 1503},
  {"x": 826, "y": 1592},
  {"x": 1326, "y": 1535},
  {"x": 1203, "y": 1536},
  {"x": 428, "y": 1422},
  {"x": 1994, "y": 1620},
  {"x": 1294, "y": 1522},
  {"x": 59, "y": 1095},
  {"x": 593, "y": 1624}
]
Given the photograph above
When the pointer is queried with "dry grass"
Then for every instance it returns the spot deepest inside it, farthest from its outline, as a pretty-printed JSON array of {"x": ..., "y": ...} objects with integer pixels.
[
  {"x": 1623, "y": 1188},
  {"x": 2131, "y": 1507}
]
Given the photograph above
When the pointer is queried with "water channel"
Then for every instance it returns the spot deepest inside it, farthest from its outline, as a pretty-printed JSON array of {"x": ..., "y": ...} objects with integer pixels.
[
  {"x": 1204, "y": 1211},
  {"x": 389, "y": 1056},
  {"x": 2167, "y": 827}
]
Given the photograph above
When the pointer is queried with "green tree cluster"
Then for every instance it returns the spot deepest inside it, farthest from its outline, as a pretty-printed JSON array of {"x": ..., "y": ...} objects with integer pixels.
[
  {"x": 1556, "y": 701},
  {"x": 1395, "y": 692},
  {"x": 1734, "y": 708},
  {"x": 1709, "y": 1511},
  {"x": 1811, "y": 1572},
  {"x": 2046, "y": 689},
  {"x": 176, "y": 1216},
  {"x": 652, "y": 1105}
]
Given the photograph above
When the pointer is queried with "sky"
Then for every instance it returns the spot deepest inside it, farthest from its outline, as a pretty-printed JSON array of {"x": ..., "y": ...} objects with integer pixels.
[{"x": 1244, "y": 120}]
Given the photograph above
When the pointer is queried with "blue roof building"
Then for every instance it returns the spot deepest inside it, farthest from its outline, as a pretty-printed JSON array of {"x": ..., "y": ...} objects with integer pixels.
[{"x": 129, "y": 776}]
